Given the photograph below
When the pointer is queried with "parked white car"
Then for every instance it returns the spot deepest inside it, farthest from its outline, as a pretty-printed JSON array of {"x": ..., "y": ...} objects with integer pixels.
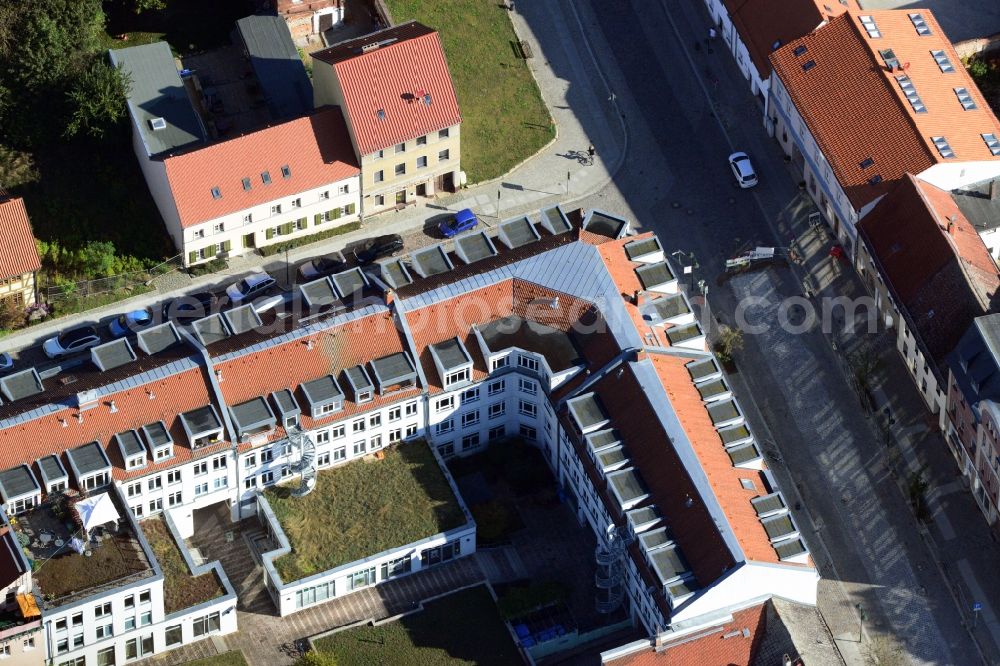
[
  {"x": 72, "y": 341},
  {"x": 250, "y": 287},
  {"x": 743, "y": 170}
]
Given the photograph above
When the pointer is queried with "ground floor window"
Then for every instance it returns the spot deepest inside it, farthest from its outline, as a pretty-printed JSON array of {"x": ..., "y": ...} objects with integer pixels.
[
  {"x": 529, "y": 433},
  {"x": 174, "y": 635},
  {"x": 447, "y": 449},
  {"x": 79, "y": 661},
  {"x": 496, "y": 433},
  {"x": 395, "y": 567},
  {"x": 207, "y": 625},
  {"x": 448, "y": 551},
  {"x": 363, "y": 578},
  {"x": 314, "y": 595},
  {"x": 470, "y": 441},
  {"x": 106, "y": 657}
]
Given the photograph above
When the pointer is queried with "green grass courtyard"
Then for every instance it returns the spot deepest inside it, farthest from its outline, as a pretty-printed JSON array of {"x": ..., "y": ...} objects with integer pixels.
[
  {"x": 504, "y": 119},
  {"x": 462, "y": 628},
  {"x": 362, "y": 508},
  {"x": 234, "y": 658}
]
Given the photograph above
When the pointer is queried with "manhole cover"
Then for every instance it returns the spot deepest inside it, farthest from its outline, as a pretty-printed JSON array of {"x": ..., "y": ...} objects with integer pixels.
[{"x": 676, "y": 204}]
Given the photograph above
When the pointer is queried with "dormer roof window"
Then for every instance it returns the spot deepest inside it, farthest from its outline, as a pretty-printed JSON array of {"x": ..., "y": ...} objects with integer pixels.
[
  {"x": 323, "y": 396},
  {"x": 91, "y": 466},
  {"x": 454, "y": 364},
  {"x": 202, "y": 426},
  {"x": 253, "y": 417},
  {"x": 393, "y": 371},
  {"x": 360, "y": 384},
  {"x": 131, "y": 448},
  {"x": 159, "y": 441},
  {"x": 285, "y": 408}
]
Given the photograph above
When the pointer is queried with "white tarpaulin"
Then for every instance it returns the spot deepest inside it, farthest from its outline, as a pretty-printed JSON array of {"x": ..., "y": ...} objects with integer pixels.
[{"x": 97, "y": 510}]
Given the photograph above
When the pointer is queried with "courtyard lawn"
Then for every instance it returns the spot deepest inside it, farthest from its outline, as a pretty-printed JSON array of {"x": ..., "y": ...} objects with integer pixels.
[
  {"x": 225, "y": 659},
  {"x": 362, "y": 508},
  {"x": 504, "y": 119},
  {"x": 180, "y": 589},
  {"x": 462, "y": 628}
]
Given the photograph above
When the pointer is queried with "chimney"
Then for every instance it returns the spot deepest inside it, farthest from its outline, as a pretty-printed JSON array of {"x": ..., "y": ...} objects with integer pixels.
[
  {"x": 951, "y": 227},
  {"x": 994, "y": 189}
]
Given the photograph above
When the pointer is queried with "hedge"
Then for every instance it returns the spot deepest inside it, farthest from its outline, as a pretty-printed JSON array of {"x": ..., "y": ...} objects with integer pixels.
[{"x": 269, "y": 250}]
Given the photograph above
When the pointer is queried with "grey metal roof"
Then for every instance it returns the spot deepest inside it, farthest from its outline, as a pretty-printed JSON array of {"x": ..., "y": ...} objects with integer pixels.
[
  {"x": 158, "y": 338},
  {"x": 644, "y": 516},
  {"x": 395, "y": 274},
  {"x": 789, "y": 548},
  {"x": 200, "y": 421},
  {"x": 778, "y": 527},
  {"x": 17, "y": 482},
  {"x": 318, "y": 293},
  {"x": 284, "y": 404},
  {"x": 514, "y": 331},
  {"x": 678, "y": 334},
  {"x": 88, "y": 459},
  {"x": 112, "y": 354},
  {"x": 322, "y": 391},
  {"x": 158, "y": 92},
  {"x": 517, "y": 231},
  {"x": 157, "y": 435},
  {"x": 975, "y": 203},
  {"x": 51, "y": 469},
  {"x": 129, "y": 444},
  {"x": 574, "y": 268},
  {"x": 473, "y": 247},
  {"x": 242, "y": 319},
  {"x": 358, "y": 379},
  {"x": 654, "y": 275},
  {"x": 713, "y": 388},
  {"x": 613, "y": 456},
  {"x": 655, "y": 538},
  {"x": 430, "y": 261},
  {"x": 605, "y": 224},
  {"x": 277, "y": 65},
  {"x": 627, "y": 484},
  {"x": 23, "y": 384},
  {"x": 210, "y": 329},
  {"x": 587, "y": 411},
  {"x": 768, "y": 503},
  {"x": 350, "y": 283},
  {"x": 251, "y": 415},
  {"x": 451, "y": 354},
  {"x": 640, "y": 248},
  {"x": 554, "y": 220},
  {"x": 392, "y": 370}
]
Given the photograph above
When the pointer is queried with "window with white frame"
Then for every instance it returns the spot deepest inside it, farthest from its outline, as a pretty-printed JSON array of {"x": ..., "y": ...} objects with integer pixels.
[
  {"x": 322, "y": 437},
  {"x": 527, "y": 432},
  {"x": 133, "y": 489},
  {"x": 175, "y": 499},
  {"x": 456, "y": 377},
  {"x": 470, "y": 441},
  {"x": 154, "y": 483},
  {"x": 156, "y": 505},
  {"x": 470, "y": 418},
  {"x": 527, "y": 386},
  {"x": 410, "y": 408},
  {"x": 323, "y": 460},
  {"x": 446, "y": 449},
  {"x": 201, "y": 468},
  {"x": 206, "y": 625},
  {"x": 375, "y": 443},
  {"x": 501, "y": 362},
  {"x": 375, "y": 420},
  {"x": 527, "y": 362},
  {"x": 339, "y": 453},
  {"x": 343, "y": 189},
  {"x": 338, "y": 431},
  {"x": 395, "y": 414},
  {"x": 174, "y": 476},
  {"x": 444, "y": 403},
  {"x": 495, "y": 387},
  {"x": 266, "y": 456},
  {"x": 525, "y": 408},
  {"x": 200, "y": 488},
  {"x": 250, "y": 461},
  {"x": 497, "y": 410},
  {"x": 358, "y": 425},
  {"x": 470, "y": 395},
  {"x": 444, "y": 426},
  {"x": 496, "y": 433},
  {"x": 395, "y": 435},
  {"x": 411, "y": 430},
  {"x": 359, "y": 447}
]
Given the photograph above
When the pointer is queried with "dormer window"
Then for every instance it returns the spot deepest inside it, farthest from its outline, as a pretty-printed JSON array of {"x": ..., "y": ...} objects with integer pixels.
[
  {"x": 252, "y": 418},
  {"x": 19, "y": 489},
  {"x": 53, "y": 474},
  {"x": 90, "y": 465},
  {"x": 393, "y": 372},
  {"x": 131, "y": 448},
  {"x": 456, "y": 377},
  {"x": 454, "y": 364},
  {"x": 202, "y": 427},
  {"x": 360, "y": 384},
  {"x": 285, "y": 408},
  {"x": 323, "y": 396},
  {"x": 159, "y": 441}
]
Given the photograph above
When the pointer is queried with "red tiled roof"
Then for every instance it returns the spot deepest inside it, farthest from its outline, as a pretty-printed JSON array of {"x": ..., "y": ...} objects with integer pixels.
[
  {"x": 943, "y": 280},
  {"x": 316, "y": 149},
  {"x": 291, "y": 364},
  {"x": 763, "y": 23},
  {"x": 19, "y": 254},
  {"x": 622, "y": 271},
  {"x": 855, "y": 109},
  {"x": 174, "y": 395},
  {"x": 727, "y": 646},
  {"x": 723, "y": 477},
  {"x": 394, "y": 78}
]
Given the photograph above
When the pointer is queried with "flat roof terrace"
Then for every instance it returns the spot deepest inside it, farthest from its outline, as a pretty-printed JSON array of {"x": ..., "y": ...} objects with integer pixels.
[
  {"x": 112, "y": 555},
  {"x": 363, "y": 508},
  {"x": 557, "y": 347}
]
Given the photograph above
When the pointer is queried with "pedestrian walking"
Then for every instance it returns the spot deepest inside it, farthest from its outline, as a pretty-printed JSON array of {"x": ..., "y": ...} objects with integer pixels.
[
  {"x": 591, "y": 151},
  {"x": 711, "y": 33}
]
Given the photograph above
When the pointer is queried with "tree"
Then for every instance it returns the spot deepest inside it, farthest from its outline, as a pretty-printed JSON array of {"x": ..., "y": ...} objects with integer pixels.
[
  {"x": 49, "y": 38},
  {"x": 730, "y": 342},
  {"x": 97, "y": 98},
  {"x": 314, "y": 658},
  {"x": 140, "y": 6},
  {"x": 16, "y": 168}
]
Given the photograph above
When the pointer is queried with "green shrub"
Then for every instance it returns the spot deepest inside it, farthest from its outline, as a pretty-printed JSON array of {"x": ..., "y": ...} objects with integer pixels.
[
  {"x": 213, "y": 266},
  {"x": 519, "y": 601},
  {"x": 277, "y": 248},
  {"x": 314, "y": 658}
]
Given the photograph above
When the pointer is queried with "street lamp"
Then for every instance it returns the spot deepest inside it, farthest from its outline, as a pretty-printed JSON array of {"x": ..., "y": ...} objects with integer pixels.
[
  {"x": 861, "y": 621},
  {"x": 689, "y": 268},
  {"x": 889, "y": 422}
]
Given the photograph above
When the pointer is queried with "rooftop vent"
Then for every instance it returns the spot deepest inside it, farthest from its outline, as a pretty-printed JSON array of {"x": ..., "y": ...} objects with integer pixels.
[
  {"x": 870, "y": 27},
  {"x": 920, "y": 24},
  {"x": 158, "y": 124},
  {"x": 372, "y": 46}
]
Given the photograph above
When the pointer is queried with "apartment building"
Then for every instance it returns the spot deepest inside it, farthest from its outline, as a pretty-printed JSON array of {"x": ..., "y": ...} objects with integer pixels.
[
  {"x": 973, "y": 428},
  {"x": 522, "y": 333},
  {"x": 288, "y": 179},
  {"x": 930, "y": 274},
  {"x": 401, "y": 112},
  {"x": 20, "y": 619},
  {"x": 19, "y": 262},
  {"x": 750, "y": 30},
  {"x": 870, "y": 97}
]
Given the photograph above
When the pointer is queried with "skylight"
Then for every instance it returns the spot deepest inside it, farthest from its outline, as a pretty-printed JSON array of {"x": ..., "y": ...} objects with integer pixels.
[
  {"x": 869, "y": 24},
  {"x": 867, "y": 162},
  {"x": 216, "y": 193},
  {"x": 941, "y": 144},
  {"x": 800, "y": 49},
  {"x": 286, "y": 172},
  {"x": 992, "y": 143},
  {"x": 911, "y": 93},
  {"x": 941, "y": 58},
  {"x": 889, "y": 58},
  {"x": 965, "y": 99},
  {"x": 246, "y": 185},
  {"x": 920, "y": 24},
  {"x": 875, "y": 180},
  {"x": 265, "y": 176},
  {"x": 808, "y": 65}
]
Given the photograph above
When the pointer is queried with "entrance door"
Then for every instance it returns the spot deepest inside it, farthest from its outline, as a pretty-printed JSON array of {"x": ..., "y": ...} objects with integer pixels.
[
  {"x": 421, "y": 190},
  {"x": 248, "y": 240},
  {"x": 401, "y": 197}
]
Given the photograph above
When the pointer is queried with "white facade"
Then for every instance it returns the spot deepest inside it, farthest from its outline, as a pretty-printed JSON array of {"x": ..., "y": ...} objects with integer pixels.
[{"x": 734, "y": 44}]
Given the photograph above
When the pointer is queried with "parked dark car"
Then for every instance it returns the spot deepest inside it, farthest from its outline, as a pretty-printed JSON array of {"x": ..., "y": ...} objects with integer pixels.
[
  {"x": 186, "y": 309},
  {"x": 376, "y": 248},
  {"x": 321, "y": 267}
]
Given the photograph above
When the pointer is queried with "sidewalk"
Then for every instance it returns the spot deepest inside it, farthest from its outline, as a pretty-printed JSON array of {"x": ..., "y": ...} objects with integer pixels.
[{"x": 571, "y": 83}]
